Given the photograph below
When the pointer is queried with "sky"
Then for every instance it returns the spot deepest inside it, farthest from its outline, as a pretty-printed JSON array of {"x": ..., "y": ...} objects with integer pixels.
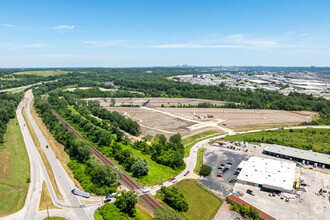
[{"x": 141, "y": 33}]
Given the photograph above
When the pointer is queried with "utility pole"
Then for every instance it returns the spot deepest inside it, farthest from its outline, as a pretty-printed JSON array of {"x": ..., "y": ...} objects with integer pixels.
[{"x": 47, "y": 210}]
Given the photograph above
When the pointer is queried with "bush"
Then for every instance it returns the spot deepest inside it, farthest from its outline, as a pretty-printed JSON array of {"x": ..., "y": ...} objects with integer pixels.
[
  {"x": 172, "y": 197},
  {"x": 205, "y": 170}
]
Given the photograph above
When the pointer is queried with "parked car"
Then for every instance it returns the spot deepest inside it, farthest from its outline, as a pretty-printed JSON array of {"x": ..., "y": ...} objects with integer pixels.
[
  {"x": 250, "y": 192},
  {"x": 222, "y": 165},
  {"x": 219, "y": 175},
  {"x": 232, "y": 180},
  {"x": 230, "y": 163},
  {"x": 145, "y": 191}
]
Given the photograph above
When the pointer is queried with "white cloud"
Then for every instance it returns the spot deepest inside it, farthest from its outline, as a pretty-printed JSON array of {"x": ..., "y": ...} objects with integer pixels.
[
  {"x": 195, "y": 46},
  {"x": 20, "y": 46},
  {"x": 63, "y": 27},
  {"x": 7, "y": 25},
  {"x": 231, "y": 41},
  {"x": 107, "y": 43}
]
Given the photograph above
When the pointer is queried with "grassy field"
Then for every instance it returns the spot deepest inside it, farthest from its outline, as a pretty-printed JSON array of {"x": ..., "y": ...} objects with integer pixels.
[
  {"x": 142, "y": 213},
  {"x": 42, "y": 73},
  {"x": 202, "y": 204},
  {"x": 193, "y": 138},
  {"x": 317, "y": 140},
  {"x": 200, "y": 154},
  {"x": 14, "y": 170},
  {"x": 189, "y": 146},
  {"x": 45, "y": 199},
  {"x": 157, "y": 173}
]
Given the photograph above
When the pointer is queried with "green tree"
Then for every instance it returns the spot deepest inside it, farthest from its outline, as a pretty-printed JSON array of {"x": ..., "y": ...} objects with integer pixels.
[
  {"x": 174, "y": 198},
  {"x": 205, "y": 170},
  {"x": 253, "y": 213},
  {"x": 244, "y": 210},
  {"x": 126, "y": 203},
  {"x": 140, "y": 167},
  {"x": 161, "y": 138},
  {"x": 113, "y": 102},
  {"x": 175, "y": 139}
]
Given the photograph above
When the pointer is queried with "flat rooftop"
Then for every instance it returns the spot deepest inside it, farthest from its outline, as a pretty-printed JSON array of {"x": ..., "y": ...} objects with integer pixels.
[
  {"x": 269, "y": 173},
  {"x": 298, "y": 153}
]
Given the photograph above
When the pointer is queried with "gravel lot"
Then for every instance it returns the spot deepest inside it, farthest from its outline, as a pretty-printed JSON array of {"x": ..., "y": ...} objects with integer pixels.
[{"x": 214, "y": 157}]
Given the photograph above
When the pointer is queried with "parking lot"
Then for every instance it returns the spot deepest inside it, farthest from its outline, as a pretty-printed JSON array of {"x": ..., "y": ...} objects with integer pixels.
[{"x": 215, "y": 156}]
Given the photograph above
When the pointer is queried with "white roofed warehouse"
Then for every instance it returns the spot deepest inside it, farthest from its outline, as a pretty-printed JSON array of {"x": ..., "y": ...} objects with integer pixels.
[
  {"x": 268, "y": 173},
  {"x": 298, "y": 154}
]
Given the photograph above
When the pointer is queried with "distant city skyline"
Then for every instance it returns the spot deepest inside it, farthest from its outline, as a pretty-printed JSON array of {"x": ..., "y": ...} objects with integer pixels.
[{"x": 164, "y": 33}]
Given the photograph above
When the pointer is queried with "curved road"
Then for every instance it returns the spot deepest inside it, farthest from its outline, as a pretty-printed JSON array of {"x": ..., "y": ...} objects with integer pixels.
[{"x": 191, "y": 161}]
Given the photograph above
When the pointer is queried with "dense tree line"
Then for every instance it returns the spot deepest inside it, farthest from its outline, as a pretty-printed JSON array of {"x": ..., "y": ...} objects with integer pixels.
[
  {"x": 8, "y": 104},
  {"x": 116, "y": 119},
  {"x": 169, "y": 153},
  {"x": 172, "y": 197},
  {"x": 93, "y": 176},
  {"x": 101, "y": 134}
]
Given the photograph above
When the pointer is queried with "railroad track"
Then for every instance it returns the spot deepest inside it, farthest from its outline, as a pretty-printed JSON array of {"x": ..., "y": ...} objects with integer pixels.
[{"x": 151, "y": 203}]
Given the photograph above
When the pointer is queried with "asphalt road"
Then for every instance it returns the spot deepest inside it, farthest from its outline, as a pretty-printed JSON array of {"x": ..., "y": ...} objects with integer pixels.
[{"x": 71, "y": 206}]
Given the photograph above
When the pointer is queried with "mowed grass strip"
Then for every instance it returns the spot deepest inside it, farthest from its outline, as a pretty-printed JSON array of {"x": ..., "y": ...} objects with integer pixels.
[
  {"x": 46, "y": 200},
  {"x": 188, "y": 147},
  {"x": 14, "y": 170},
  {"x": 57, "y": 148},
  {"x": 199, "y": 163},
  {"x": 317, "y": 140},
  {"x": 43, "y": 157},
  {"x": 202, "y": 204},
  {"x": 192, "y": 138},
  {"x": 42, "y": 73}
]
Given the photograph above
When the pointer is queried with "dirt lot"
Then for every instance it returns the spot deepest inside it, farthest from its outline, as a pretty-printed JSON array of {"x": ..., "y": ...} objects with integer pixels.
[
  {"x": 156, "y": 102},
  {"x": 194, "y": 120},
  {"x": 237, "y": 118},
  {"x": 153, "y": 123}
]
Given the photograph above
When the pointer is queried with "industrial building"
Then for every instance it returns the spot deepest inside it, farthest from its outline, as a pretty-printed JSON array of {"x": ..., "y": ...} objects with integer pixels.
[
  {"x": 304, "y": 156},
  {"x": 267, "y": 173}
]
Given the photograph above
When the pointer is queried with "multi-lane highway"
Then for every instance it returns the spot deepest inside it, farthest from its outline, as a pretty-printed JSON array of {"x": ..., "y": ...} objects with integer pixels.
[{"x": 71, "y": 207}]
